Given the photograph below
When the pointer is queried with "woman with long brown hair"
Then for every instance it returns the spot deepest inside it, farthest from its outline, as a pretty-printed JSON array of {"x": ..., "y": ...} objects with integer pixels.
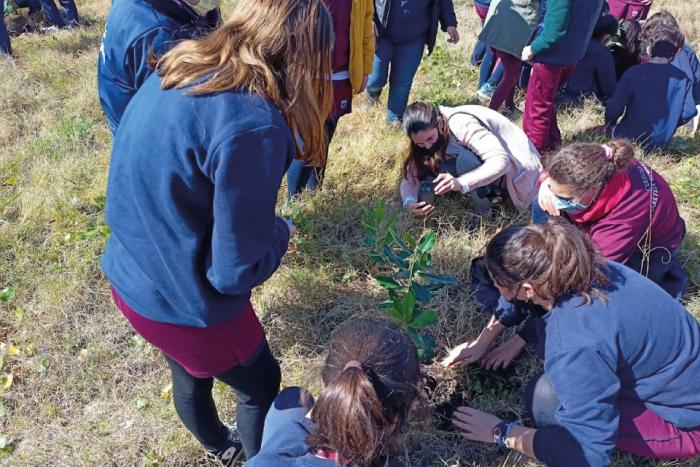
[
  {"x": 465, "y": 149},
  {"x": 371, "y": 380},
  {"x": 621, "y": 360},
  {"x": 196, "y": 167}
]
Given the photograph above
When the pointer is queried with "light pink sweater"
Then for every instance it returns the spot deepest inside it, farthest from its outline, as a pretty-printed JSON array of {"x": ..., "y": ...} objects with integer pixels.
[{"x": 502, "y": 146}]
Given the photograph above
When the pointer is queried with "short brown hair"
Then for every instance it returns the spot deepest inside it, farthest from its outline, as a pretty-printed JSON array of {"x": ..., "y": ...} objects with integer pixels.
[
  {"x": 584, "y": 165},
  {"x": 660, "y": 20},
  {"x": 364, "y": 405},
  {"x": 278, "y": 49},
  {"x": 556, "y": 258}
]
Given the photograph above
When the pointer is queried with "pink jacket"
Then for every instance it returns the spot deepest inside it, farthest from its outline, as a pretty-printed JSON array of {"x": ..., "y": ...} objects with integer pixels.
[{"x": 503, "y": 148}]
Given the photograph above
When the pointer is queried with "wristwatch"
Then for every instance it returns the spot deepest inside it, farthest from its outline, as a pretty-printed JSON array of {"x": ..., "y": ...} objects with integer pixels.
[{"x": 501, "y": 433}]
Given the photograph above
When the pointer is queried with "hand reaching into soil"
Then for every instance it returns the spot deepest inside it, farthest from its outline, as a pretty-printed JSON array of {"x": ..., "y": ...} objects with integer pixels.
[
  {"x": 503, "y": 355},
  {"x": 475, "y": 424},
  {"x": 467, "y": 353}
]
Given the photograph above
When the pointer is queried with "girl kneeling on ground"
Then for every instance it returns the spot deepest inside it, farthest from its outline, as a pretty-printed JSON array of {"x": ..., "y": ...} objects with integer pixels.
[
  {"x": 626, "y": 208},
  {"x": 462, "y": 149},
  {"x": 622, "y": 357},
  {"x": 195, "y": 170},
  {"x": 371, "y": 380}
]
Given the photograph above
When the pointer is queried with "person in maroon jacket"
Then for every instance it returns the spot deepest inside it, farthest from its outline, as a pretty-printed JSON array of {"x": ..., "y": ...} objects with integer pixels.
[
  {"x": 633, "y": 10},
  {"x": 625, "y": 207}
]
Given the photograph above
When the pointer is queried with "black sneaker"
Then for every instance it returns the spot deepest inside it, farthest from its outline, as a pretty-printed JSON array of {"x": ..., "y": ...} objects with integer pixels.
[{"x": 230, "y": 453}]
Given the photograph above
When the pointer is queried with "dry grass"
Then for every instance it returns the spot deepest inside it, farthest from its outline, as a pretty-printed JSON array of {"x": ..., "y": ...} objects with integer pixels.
[{"x": 86, "y": 391}]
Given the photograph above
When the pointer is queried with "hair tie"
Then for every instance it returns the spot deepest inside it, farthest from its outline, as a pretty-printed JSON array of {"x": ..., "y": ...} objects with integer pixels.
[
  {"x": 609, "y": 153},
  {"x": 353, "y": 364}
]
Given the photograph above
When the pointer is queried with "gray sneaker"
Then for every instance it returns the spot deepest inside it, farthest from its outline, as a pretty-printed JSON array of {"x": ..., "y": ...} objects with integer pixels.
[{"x": 230, "y": 453}]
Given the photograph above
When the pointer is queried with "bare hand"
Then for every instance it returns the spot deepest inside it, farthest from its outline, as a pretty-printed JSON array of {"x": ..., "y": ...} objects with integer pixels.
[
  {"x": 444, "y": 183},
  {"x": 547, "y": 200},
  {"x": 475, "y": 424},
  {"x": 527, "y": 54},
  {"x": 453, "y": 35},
  {"x": 421, "y": 209},
  {"x": 503, "y": 355},
  {"x": 464, "y": 354},
  {"x": 364, "y": 82}
]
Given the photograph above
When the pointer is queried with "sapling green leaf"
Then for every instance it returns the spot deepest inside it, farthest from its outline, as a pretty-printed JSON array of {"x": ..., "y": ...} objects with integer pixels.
[{"x": 425, "y": 318}]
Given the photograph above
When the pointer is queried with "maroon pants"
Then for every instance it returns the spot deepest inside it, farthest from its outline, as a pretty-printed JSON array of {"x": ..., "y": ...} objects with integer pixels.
[
  {"x": 540, "y": 117},
  {"x": 628, "y": 9},
  {"x": 505, "y": 91},
  {"x": 645, "y": 434}
]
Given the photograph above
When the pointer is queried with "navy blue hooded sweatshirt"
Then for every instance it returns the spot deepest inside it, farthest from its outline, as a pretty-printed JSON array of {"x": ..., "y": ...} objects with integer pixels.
[
  {"x": 134, "y": 29},
  {"x": 642, "y": 344},
  {"x": 191, "y": 197},
  {"x": 655, "y": 99},
  {"x": 594, "y": 75}
]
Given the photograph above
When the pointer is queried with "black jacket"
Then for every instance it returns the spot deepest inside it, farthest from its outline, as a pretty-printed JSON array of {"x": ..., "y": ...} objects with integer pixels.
[{"x": 443, "y": 11}]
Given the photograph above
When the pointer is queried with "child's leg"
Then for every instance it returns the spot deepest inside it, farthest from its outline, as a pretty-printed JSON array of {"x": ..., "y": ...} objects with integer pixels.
[
  {"x": 71, "y": 11},
  {"x": 644, "y": 433},
  {"x": 506, "y": 88},
  {"x": 539, "y": 104},
  {"x": 405, "y": 62},
  {"x": 380, "y": 68},
  {"x": 51, "y": 10}
]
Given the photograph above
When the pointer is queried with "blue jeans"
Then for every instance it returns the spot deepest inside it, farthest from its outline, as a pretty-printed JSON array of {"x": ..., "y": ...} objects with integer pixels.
[
  {"x": 404, "y": 59},
  {"x": 487, "y": 73},
  {"x": 4, "y": 36},
  {"x": 55, "y": 17}
]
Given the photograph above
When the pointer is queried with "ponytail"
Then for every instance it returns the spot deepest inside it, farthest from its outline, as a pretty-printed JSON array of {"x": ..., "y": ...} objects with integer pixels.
[
  {"x": 371, "y": 378},
  {"x": 584, "y": 165},
  {"x": 352, "y": 419}
]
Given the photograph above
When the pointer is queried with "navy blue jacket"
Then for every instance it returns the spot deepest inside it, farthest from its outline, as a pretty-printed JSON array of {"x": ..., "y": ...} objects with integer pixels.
[
  {"x": 687, "y": 61},
  {"x": 594, "y": 75},
  {"x": 440, "y": 11},
  {"x": 655, "y": 99},
  {"x": 571, "y": 31},
  {"x": 134, "y": 29},
  {"x": 641, "y": 344},
  {"x": 191, "y": 197}
]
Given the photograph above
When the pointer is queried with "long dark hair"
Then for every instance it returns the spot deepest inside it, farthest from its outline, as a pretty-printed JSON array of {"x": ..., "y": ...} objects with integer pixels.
[
  {"x": 372, "y": 378},
  {"x": 556, "y": 258},
  {"x": 424, "y": 163}
]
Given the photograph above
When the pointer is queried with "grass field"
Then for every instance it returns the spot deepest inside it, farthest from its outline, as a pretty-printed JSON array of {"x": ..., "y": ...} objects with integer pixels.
[{"x": 78, "y": 387}]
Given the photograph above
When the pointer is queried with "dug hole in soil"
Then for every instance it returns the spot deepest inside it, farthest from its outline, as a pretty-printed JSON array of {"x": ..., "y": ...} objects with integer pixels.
[{"x": 446, "y": 389}]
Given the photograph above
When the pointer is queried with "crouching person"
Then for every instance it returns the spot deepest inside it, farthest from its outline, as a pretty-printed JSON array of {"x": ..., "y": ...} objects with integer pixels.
[
  {"x": 371, "y": 380},
  {"x": 621, "y": 355},
  {"x": 470, "y": 150}
]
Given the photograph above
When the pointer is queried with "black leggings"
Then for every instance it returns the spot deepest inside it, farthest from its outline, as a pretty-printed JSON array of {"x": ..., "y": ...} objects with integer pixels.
[{"x": 256, "y": 384}]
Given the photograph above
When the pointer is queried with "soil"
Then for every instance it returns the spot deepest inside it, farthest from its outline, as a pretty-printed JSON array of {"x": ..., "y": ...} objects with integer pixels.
[{"x": 446, "y": 390}]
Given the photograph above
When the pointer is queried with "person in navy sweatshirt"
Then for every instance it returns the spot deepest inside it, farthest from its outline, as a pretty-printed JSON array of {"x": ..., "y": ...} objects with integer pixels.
[
  {"x": 655, "y": 98},
  {"x": 685, "y": 60},
  {"x": 134, "y": 29},
  {"x": 566, "y": 28},
  {"x": 371, "y": 380},
  {"x": 404, "y": 28},
  {"x": 195, "y": 170},
  {"x": 594, "y": 75},
  {"x": 621, "y": 356}
]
